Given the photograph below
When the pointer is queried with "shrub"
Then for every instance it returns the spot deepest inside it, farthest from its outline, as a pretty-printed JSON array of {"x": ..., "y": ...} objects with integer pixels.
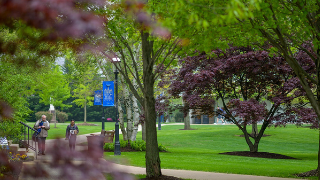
[
  {"x": 123, "y": 143},
  {"x": 108, "y": 147},
  {"x": 162, "y": 148},
  {"x": 40, "y": 113},
  {"x": 62, "y": 116},
  {"x": 10, "y": 130},
  {"x": 138, "y": 145}
]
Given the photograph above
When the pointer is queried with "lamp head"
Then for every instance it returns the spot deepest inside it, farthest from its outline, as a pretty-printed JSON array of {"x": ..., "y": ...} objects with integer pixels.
[{"x": 115, "y": 61}]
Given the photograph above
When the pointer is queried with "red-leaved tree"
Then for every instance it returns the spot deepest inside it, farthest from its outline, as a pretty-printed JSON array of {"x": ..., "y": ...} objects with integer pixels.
[{"x": 245, "y": 80}]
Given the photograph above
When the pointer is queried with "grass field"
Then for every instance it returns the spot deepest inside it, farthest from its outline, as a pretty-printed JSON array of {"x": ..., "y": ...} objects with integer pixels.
[{"x": 199, "y": 150}]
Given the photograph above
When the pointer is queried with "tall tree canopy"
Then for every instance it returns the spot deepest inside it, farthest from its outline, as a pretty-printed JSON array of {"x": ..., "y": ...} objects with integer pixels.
[{"x": 286, "y": 25}]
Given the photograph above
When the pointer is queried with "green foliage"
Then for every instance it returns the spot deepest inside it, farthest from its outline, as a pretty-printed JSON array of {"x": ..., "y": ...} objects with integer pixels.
[
  {"x": 109, "y": 146},
  {"x": 178, "y": 116},
  {"x": 138, "y": 145},
  {"x": 86, "y": 82},
  {"x": 10, "y": 129},
  {"x": 35, "y": 106},
  {"x": 54, "y": 88},
  {"x": 16, "y": 84},
  {"x": 61, "y": 116},
  {"x": 47, "y": 113},
  {"x": 162, "y": 148},
  {"x": 123, "y": 143}
]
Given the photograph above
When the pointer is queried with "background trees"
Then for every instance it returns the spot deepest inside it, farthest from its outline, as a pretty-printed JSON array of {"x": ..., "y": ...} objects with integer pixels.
[
  {"x": 54, "y": 88},
  {"x": 85, "y": 81}
]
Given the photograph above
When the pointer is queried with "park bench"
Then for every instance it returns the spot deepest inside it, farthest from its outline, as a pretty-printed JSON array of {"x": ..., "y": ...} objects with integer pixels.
[{"x": 108, "y": 136}]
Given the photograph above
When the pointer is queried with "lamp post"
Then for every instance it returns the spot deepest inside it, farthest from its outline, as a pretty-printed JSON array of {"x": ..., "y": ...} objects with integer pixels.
[
  {"x": 159, "y": 122},
  {"x": 102, "y": 119},
  {"x": 117, "y": 142}
]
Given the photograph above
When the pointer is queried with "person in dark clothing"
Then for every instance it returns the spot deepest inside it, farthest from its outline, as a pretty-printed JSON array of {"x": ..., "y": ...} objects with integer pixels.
[{"x": 71, "y": 134}]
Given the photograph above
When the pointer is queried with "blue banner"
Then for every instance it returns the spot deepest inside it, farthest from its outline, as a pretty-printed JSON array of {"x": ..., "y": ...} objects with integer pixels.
[
  {"x": 108, "y": 93},
  {"x": 97, "y": 97}
]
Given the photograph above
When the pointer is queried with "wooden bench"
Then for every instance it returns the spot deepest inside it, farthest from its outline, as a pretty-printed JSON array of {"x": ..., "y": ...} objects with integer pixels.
[{"x": 108, "y": 136}]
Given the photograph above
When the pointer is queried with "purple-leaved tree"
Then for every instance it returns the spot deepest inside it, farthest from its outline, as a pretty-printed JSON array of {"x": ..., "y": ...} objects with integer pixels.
[{"x": 245, "y": 80}]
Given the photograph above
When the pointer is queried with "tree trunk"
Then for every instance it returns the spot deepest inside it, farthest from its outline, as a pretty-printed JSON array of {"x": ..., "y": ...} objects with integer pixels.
[
  {"x": 254, "y": 132},
  {"x": 136, "y": 114},
  {"x": 55, "y": 117},
  {"x": 318, "y": 104},
  {"x": 319, "y": 157},
  {"x": 85, "y": 112},
  {"x": 128, "y": 104},
  {"x": 254, "y": 146},
  {"x": 135, "y": 119},
  {"x": 120, "y": 111},
  {"x": 187, "y": 121},
  {"x": 144, "y": 136},
  {"x": 153, "y": 169},
  {"x": 123, "y": 129}
]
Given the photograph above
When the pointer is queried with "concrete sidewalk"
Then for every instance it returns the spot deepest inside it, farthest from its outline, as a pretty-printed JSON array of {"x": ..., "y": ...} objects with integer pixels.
[{"x": 197, "y": 175}]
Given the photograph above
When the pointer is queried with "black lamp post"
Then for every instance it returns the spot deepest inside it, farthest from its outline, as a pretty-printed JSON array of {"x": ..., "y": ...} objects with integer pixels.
[
  {"x": 117, "y": 142},
  {"x": 102, "y": 119},
  {"x": 159, "y": 122}
]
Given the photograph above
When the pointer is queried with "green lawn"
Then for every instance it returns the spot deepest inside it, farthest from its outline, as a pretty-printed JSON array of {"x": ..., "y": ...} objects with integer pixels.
[
  {"x": 60, "y": 129},
  {"x": 199, "y": 150}
]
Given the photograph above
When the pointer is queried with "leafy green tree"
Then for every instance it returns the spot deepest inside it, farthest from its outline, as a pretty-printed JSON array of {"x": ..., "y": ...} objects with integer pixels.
[
  {"x": 143, "y": 58},
  {"x": 54, "y": 88},
  {"x": 85, "y": 80}
]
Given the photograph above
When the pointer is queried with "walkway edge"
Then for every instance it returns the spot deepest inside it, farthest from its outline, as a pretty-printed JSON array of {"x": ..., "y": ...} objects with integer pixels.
[{"x": 198, "y": 175}]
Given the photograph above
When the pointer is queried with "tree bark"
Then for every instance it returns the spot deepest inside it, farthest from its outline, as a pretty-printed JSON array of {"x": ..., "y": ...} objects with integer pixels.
[
  {"x": 187, "y": 121},
  {"x": 85, "y": 111},
  {"x": 123, "y": 129},
  {"x": 55, "y": 117},
  {"x": 254, "y": 132},
  {"x": 135, "y": 119},
  {"x": 153, "y": 169},
  {"x": 144, "y": 136},
  {"x": 253, "y": 146},
  {"x": 120, "y": 111},
  {"x": 129, "y": 114}
]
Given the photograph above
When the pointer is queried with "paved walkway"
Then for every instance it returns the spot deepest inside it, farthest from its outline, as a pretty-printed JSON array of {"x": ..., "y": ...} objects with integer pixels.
[{"x": 197, "y": 175}]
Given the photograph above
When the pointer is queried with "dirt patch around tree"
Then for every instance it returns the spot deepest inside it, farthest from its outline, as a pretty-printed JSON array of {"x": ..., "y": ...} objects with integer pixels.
[
  {"x": 258, "y": 154},
  {"x": 308, "y": 174}
]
